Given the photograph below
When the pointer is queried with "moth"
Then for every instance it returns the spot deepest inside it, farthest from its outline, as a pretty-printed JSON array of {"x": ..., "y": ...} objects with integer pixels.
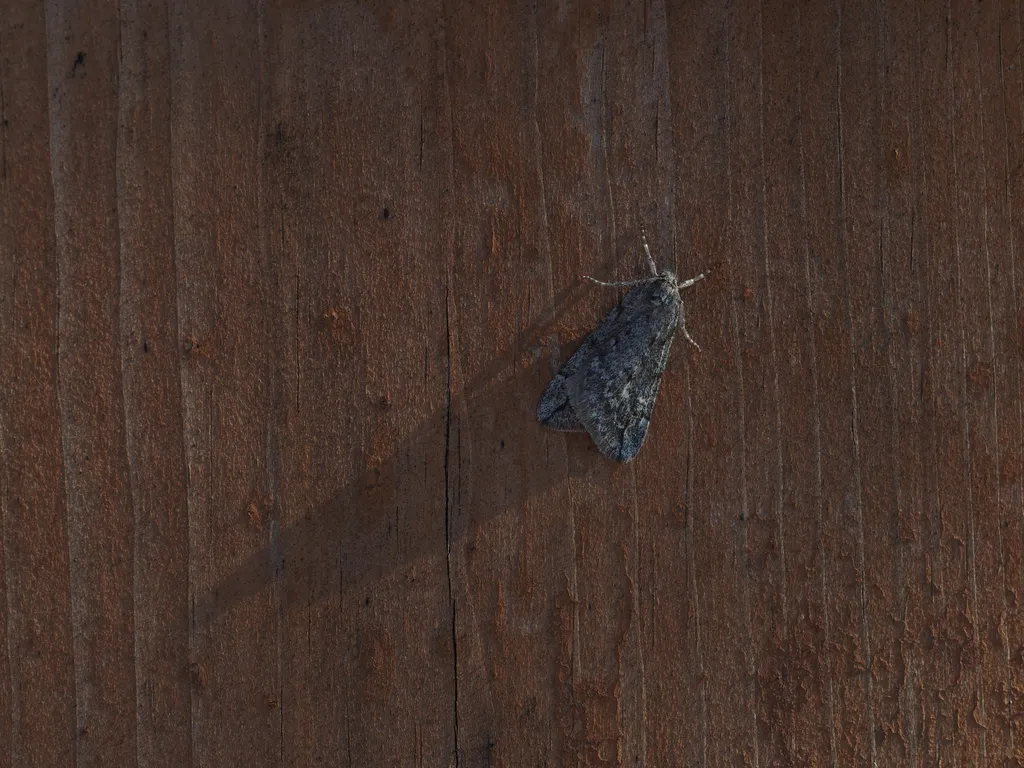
[{"x": 609, "y": 385}]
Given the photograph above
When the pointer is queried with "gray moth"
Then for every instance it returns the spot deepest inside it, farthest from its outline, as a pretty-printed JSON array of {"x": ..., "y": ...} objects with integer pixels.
[{"x": 609, "y": 385}]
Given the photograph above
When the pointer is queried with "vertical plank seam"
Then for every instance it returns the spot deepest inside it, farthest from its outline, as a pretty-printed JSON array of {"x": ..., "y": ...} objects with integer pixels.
[
  {"x": 448, "y": 516},
  {"x": 448, "y": 500}
]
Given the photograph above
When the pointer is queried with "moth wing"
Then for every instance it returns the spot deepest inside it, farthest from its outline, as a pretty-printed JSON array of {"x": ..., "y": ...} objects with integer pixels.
[
  {"x": 554, "y": 409},
  {"x": 614, "y": 388}
]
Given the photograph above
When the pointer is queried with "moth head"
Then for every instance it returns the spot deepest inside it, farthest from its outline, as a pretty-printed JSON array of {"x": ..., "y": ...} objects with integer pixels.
[
  {"x": 669, "y": 277},
  {"x": 678, "y": 284}
]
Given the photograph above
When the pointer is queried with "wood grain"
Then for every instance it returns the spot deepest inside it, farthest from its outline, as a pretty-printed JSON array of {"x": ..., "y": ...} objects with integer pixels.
[{"x": 281, "y": 283}]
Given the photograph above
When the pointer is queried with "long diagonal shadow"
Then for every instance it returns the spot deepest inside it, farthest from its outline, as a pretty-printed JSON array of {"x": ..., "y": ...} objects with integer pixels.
[{"x": 353, "y": 528}]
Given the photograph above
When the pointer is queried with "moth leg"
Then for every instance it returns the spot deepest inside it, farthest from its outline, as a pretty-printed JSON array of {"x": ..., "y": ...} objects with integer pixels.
[
  {"x": 692, "y": 281},
  {"x": 647, "y": 251},
  {"x": 616, "y": 285},
  {"x": 682, "y": 325}
]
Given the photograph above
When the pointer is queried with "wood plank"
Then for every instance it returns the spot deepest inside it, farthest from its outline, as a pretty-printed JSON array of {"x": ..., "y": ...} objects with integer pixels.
[
  {"x": 281, "y": 283},
  {"x": 151, "y": 371},
  {"x": 224, "y": 336},
  {"x": 37, "y": 597},
  {"x": 82, "y": 62}
]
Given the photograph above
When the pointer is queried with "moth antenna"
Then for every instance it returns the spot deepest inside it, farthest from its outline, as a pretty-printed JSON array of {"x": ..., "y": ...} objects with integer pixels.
[
  {"x": 693, "y": 280},
  {"x": 647, "y": 251},
  {"x": 625, "y": 284}
]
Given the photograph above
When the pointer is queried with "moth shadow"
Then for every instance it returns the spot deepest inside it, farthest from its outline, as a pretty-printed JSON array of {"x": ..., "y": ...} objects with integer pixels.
[{"x": 414, "y": 502}]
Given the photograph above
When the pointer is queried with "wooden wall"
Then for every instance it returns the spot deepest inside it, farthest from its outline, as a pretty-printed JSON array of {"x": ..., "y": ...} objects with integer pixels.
[{"x": 281, "y": 283}]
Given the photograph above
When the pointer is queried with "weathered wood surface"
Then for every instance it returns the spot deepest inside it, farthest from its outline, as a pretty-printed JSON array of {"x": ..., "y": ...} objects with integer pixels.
[{"x": 281, "y": 283}]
